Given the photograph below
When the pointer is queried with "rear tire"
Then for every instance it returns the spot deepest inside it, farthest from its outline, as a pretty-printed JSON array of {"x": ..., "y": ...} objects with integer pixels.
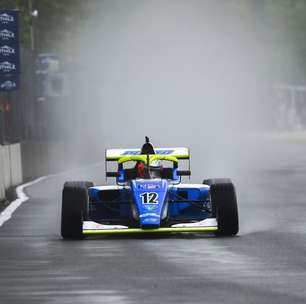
[
  {"x": 224, "y": 205},
  {"x": 74, "y": 209}
]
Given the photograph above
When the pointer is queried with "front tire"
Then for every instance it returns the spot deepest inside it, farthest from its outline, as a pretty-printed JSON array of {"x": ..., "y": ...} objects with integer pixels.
[
  {"x": 74, "y": 209},
  {"x": 224, "y": 206}
]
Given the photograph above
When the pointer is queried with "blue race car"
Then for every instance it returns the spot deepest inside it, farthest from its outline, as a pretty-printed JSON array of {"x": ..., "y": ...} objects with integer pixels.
[{"x": 148, "y": 198}]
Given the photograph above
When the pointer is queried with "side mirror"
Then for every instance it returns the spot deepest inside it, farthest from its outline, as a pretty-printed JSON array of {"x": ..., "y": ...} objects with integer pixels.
[
  {"x": 112, "y": 174},
  {"x": 183, "y": 172}
]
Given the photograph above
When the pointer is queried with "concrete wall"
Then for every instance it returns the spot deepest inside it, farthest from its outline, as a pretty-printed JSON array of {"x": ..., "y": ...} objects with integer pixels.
[{"x": 10, "y": 168}]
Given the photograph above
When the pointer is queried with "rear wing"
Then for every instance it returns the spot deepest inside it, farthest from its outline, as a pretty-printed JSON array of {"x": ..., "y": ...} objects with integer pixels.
[{"x": 116, "y": 154}]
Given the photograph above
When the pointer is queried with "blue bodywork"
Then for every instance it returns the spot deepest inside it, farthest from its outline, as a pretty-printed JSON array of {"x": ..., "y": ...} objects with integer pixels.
[
  {"x": 150, "y": 203},
  {"x": 149, "y": 197}
]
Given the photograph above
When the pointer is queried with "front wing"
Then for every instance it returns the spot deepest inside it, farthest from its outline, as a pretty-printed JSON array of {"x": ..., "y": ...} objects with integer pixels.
[{"x": 93, "y": 228}]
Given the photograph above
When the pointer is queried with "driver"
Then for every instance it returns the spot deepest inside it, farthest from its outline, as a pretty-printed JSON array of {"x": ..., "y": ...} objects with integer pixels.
[{"x": 154, "y": 168}]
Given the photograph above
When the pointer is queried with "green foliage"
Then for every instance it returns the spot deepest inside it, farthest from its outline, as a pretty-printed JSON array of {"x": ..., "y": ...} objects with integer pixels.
[
  {"x": 57, "y": 20},
  {"x": 277, "y": 25}
]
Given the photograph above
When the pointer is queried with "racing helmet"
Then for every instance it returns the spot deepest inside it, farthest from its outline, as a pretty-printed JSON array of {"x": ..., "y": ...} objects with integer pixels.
[
  {"x": 155, "y": 164},
  {"x": 140, "y": 169}
]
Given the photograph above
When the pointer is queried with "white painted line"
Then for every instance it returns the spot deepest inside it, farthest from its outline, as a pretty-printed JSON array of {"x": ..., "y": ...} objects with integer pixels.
[{"x": 6, "y": 214}]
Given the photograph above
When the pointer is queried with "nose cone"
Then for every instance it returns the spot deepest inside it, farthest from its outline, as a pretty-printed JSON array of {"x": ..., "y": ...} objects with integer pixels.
[{"x": 149, "y": 197}]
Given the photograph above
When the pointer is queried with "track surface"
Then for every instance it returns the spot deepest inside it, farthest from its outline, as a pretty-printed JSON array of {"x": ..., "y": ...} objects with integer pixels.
[{"x": 266, "y": 263}]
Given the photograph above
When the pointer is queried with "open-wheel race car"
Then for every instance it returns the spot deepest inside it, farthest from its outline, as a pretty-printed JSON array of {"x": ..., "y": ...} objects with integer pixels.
[{"x": 148, "y": 198}]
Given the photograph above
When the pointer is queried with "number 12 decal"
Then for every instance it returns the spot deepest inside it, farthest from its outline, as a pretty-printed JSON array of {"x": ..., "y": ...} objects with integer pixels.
[{"x": 149, "y": 198}]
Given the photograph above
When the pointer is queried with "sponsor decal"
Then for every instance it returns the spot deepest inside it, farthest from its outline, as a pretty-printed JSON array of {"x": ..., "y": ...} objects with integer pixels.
[
  {"x": 7, "y": 51},
  {"x": 8, "y": 85},
  {"x": 148, "y": 186},
  {"x": 130, "y": 153},
  {"x": 7, "y": 67},
  {"x": 149, "y": 214},
  {"x": 137, "y": 152},
  {"x": 164, "y": 152},
  {"x": 6, "y": 18},
  {"x": 7, "y": 35},
  {"x": 150, "y": 207},
  {"x": 150, "y": 220}
]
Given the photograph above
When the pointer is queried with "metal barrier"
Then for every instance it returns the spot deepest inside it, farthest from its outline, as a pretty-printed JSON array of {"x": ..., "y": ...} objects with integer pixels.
[
  {"x": 17, "y": 124},
  {"x": 10, "y": 168}
]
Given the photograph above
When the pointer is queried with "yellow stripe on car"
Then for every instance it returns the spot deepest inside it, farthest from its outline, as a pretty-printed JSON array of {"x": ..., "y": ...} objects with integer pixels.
[
  {"x": 144, "y": 158},
  {"x": 159, "y": 230}
]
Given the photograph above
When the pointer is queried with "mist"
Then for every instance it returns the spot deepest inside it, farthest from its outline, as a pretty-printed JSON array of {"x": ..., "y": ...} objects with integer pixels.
[{"x": 184, "y": 73}]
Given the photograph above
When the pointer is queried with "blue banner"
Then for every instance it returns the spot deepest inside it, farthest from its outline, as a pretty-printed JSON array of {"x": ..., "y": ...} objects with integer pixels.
[
  {"x": 9, "y": 83},
  {"x": 9, "y": 18},
  {"x": 9, "y": 50}
]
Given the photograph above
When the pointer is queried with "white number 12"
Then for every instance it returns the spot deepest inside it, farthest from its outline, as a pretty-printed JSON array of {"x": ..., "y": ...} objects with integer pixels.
[{"x": 149, "y": 198}]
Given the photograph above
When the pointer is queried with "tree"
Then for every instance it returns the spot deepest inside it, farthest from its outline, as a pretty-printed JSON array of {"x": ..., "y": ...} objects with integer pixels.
[{"x": 57, "y": 20}]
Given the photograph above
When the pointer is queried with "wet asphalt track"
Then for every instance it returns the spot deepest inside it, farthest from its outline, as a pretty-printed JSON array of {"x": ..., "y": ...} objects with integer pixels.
[{"x": 266, "y": 263}]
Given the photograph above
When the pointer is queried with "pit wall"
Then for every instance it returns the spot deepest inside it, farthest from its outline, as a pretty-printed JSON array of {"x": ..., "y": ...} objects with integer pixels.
[{"x": 10, "y": 168}]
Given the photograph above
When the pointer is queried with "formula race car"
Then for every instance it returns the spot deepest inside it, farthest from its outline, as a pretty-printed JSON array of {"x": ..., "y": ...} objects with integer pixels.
[{"x": 148, "y": 198}]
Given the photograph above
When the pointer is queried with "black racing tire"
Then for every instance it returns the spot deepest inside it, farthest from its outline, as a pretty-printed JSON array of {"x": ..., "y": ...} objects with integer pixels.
[
  {"x": 224, "y": 205},
  {"x": 74, "y": 209}
]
